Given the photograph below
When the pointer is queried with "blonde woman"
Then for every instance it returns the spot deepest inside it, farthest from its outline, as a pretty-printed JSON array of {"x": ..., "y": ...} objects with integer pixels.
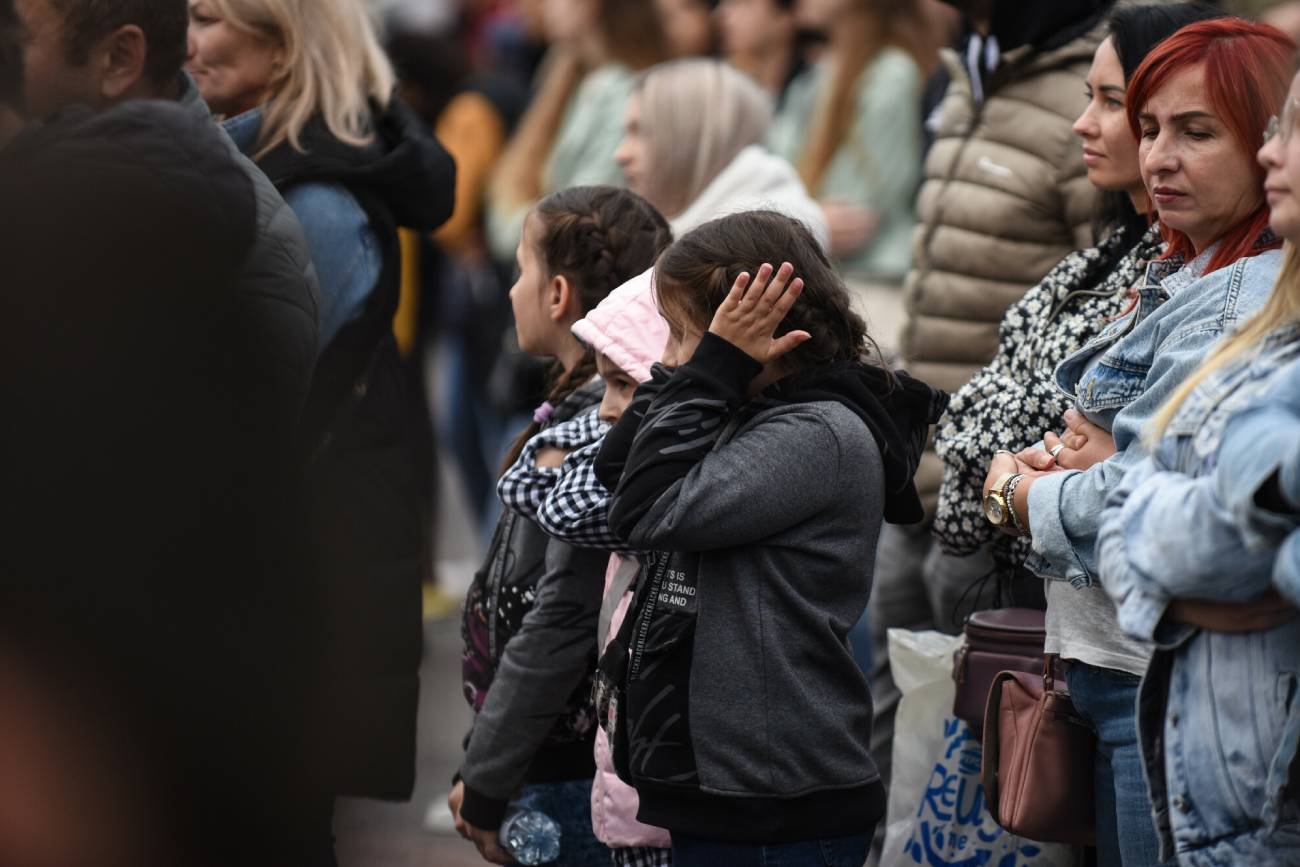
[
  {"x": 306, "y": 92},
  {"x": 1200, "y": 549},
  {"x": 692, "y": 146},
  {"x": 568, "y": 135},
  {"x": 853, "y": 127}
]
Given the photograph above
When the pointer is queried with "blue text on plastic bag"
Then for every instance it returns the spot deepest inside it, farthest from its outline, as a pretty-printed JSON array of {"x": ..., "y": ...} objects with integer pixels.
[{"x": 953, "y": 828}]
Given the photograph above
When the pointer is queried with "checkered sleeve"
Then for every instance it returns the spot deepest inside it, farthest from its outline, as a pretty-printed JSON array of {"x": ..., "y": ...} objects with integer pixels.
[
  {"x": 523, "y": 488},
  {"x": 576, "y": 508},
  {"x": 643, "y": 857}
]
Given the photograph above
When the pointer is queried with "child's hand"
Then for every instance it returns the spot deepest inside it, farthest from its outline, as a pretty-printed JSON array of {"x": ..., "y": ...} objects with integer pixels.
[{"x": 751, "y": 313}]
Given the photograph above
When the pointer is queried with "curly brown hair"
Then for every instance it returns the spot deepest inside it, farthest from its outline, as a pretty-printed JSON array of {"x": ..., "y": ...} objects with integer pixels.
[{"x": 695, "y": 274}]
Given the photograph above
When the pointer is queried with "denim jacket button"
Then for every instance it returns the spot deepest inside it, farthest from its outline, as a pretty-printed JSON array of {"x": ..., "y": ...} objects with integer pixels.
[
  {"x": 1173, "y": 720},
  {"x": 1180, "y": 804}
]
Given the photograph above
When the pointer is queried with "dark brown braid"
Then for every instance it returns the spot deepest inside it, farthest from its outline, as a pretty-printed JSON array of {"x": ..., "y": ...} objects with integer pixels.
[
  {"x": 598, "y": 238},
  {"x": 696, "y": 273}
]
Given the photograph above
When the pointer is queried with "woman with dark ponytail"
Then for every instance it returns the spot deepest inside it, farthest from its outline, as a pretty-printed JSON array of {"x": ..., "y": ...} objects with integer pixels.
[{"x": 530, "y": 617}]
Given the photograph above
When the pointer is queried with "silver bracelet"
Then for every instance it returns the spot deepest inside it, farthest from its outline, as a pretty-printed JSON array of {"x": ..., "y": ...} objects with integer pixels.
[{"x": 1009, "y": 494}]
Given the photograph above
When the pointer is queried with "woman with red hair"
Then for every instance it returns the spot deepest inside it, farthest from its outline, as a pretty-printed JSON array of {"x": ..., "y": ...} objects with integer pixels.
[{"x": 1197, "y": 106}]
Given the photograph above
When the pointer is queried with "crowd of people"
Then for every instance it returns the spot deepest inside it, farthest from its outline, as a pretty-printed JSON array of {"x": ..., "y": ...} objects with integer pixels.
[{"x": 762, "y": 328}]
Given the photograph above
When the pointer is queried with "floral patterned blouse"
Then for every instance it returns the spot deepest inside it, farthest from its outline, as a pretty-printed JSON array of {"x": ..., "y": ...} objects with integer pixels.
[{"x": 1013, "y": 400}]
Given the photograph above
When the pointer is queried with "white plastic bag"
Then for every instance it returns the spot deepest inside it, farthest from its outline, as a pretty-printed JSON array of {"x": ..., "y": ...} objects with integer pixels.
[{"x": 937, "y": 813}]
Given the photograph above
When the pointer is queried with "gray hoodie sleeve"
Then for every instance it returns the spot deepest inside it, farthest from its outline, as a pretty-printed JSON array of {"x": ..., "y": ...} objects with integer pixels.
[{"x": 681, "y": 492}]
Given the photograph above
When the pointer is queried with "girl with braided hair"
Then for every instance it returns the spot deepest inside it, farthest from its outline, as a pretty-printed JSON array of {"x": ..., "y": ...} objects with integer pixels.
[
  {"x": 755, "y": 467},
  {"x": 531, "y": 614}
]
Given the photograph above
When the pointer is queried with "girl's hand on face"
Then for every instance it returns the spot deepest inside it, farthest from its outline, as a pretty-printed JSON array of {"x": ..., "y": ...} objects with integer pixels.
[{"x": 752, "y": 311}]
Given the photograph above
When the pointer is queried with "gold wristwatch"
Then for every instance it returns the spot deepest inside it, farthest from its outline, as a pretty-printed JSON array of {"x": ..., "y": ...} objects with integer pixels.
[{"x": 996, "y": 507}]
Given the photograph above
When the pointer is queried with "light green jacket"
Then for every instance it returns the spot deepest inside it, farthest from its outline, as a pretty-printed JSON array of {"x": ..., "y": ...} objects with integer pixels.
[
  {"x": 877, "y": 166},
  {"x": 582, "y": 153}
]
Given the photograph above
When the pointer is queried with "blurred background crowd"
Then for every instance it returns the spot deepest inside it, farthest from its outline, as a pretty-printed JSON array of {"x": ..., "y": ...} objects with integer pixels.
[{"x": 370, "y": 353}]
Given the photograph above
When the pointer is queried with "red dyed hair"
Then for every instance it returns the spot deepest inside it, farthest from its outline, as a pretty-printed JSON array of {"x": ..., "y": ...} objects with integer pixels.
[{"x": 1248, "y": 69}]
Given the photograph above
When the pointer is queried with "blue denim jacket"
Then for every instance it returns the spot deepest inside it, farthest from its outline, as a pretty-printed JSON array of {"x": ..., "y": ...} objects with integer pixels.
[
  {"x": 1121, "y": 379},
  {"x": 343, "y": 247},
  {"x": 1219, "y": 713}
]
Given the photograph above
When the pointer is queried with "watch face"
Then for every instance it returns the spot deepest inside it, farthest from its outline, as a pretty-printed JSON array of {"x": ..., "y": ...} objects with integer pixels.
[{"x": 994, "y": 511}]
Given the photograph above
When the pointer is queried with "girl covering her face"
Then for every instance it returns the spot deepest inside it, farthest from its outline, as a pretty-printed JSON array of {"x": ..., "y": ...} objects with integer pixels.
[
  {"x": 530, "y": 615},
  {"x": 757, "y": 474}
]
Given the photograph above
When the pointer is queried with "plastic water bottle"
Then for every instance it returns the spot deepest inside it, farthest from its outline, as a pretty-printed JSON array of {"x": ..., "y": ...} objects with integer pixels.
[{"x": 530, "y": 837}]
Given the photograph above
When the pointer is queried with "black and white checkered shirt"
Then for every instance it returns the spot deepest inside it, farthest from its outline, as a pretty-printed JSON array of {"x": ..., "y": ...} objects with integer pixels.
[
  {"x": 643, "y": 857},
  {"x": 569, "y": 503}
]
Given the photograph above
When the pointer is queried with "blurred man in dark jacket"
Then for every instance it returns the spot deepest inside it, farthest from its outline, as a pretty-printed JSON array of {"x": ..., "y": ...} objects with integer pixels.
[
  {"x": 129, "y": 543},
  {"x": 198, "y": 537},
  {"x": 11, "y": 72},
  {"x": 102, "y": 53}
]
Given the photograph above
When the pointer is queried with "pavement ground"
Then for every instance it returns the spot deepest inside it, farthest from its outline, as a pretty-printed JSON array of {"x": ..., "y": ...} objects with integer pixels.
[{"x": 379, "y": 834}]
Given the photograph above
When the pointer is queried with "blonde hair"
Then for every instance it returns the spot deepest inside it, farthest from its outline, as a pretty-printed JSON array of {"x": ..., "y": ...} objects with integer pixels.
[
  {"x": 333, "y": 67},
  {"x": 696, "y": 116},
  {"x": 1282, "y": 308},
  {"x": 856, "y": 41}
]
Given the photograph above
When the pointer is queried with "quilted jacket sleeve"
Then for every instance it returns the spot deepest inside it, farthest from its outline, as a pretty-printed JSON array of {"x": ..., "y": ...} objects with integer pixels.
[{"x": 278, "y": 303}]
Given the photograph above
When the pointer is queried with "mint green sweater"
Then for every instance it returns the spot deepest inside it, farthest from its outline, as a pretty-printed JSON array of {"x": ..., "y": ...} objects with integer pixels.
[
  {"x": 582, "y": 153},
  {"x": 877, "y": 166}
]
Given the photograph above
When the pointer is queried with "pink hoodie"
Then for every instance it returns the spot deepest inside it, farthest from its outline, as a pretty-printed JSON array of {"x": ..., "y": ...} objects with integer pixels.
[{"x": 627, "y": 328}]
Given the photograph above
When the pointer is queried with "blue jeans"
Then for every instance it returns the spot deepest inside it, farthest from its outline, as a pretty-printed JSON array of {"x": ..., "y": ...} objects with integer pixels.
[
  {"x": 832, "y": 852},
  {"x": 569, "y": 804},
  {"x": 860, "y": 643},
  {"x": 1107, "y": 699}
]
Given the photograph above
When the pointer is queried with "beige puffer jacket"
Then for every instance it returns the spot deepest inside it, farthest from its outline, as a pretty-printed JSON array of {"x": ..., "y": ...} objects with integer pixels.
[{"x": 1005, "y": 198}]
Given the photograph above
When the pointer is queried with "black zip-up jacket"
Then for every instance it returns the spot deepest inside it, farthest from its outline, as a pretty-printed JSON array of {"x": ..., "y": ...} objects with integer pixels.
[
  {"x": 530, "y": 651},
  {"x": 739, "y": 713}
]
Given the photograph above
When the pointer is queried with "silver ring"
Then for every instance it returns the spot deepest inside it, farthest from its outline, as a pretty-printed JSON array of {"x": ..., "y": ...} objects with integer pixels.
[{"x": 1056, "y": 449}]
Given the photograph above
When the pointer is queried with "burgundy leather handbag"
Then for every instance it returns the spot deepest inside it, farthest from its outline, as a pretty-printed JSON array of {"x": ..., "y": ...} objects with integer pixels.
[
  {"x": 1039, "y": 760},
  {"x": 1004, "y": 639}
]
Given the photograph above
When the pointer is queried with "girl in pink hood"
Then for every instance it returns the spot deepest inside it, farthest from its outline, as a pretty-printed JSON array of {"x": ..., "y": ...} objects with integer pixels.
[{"x": 553, "y": 483}]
